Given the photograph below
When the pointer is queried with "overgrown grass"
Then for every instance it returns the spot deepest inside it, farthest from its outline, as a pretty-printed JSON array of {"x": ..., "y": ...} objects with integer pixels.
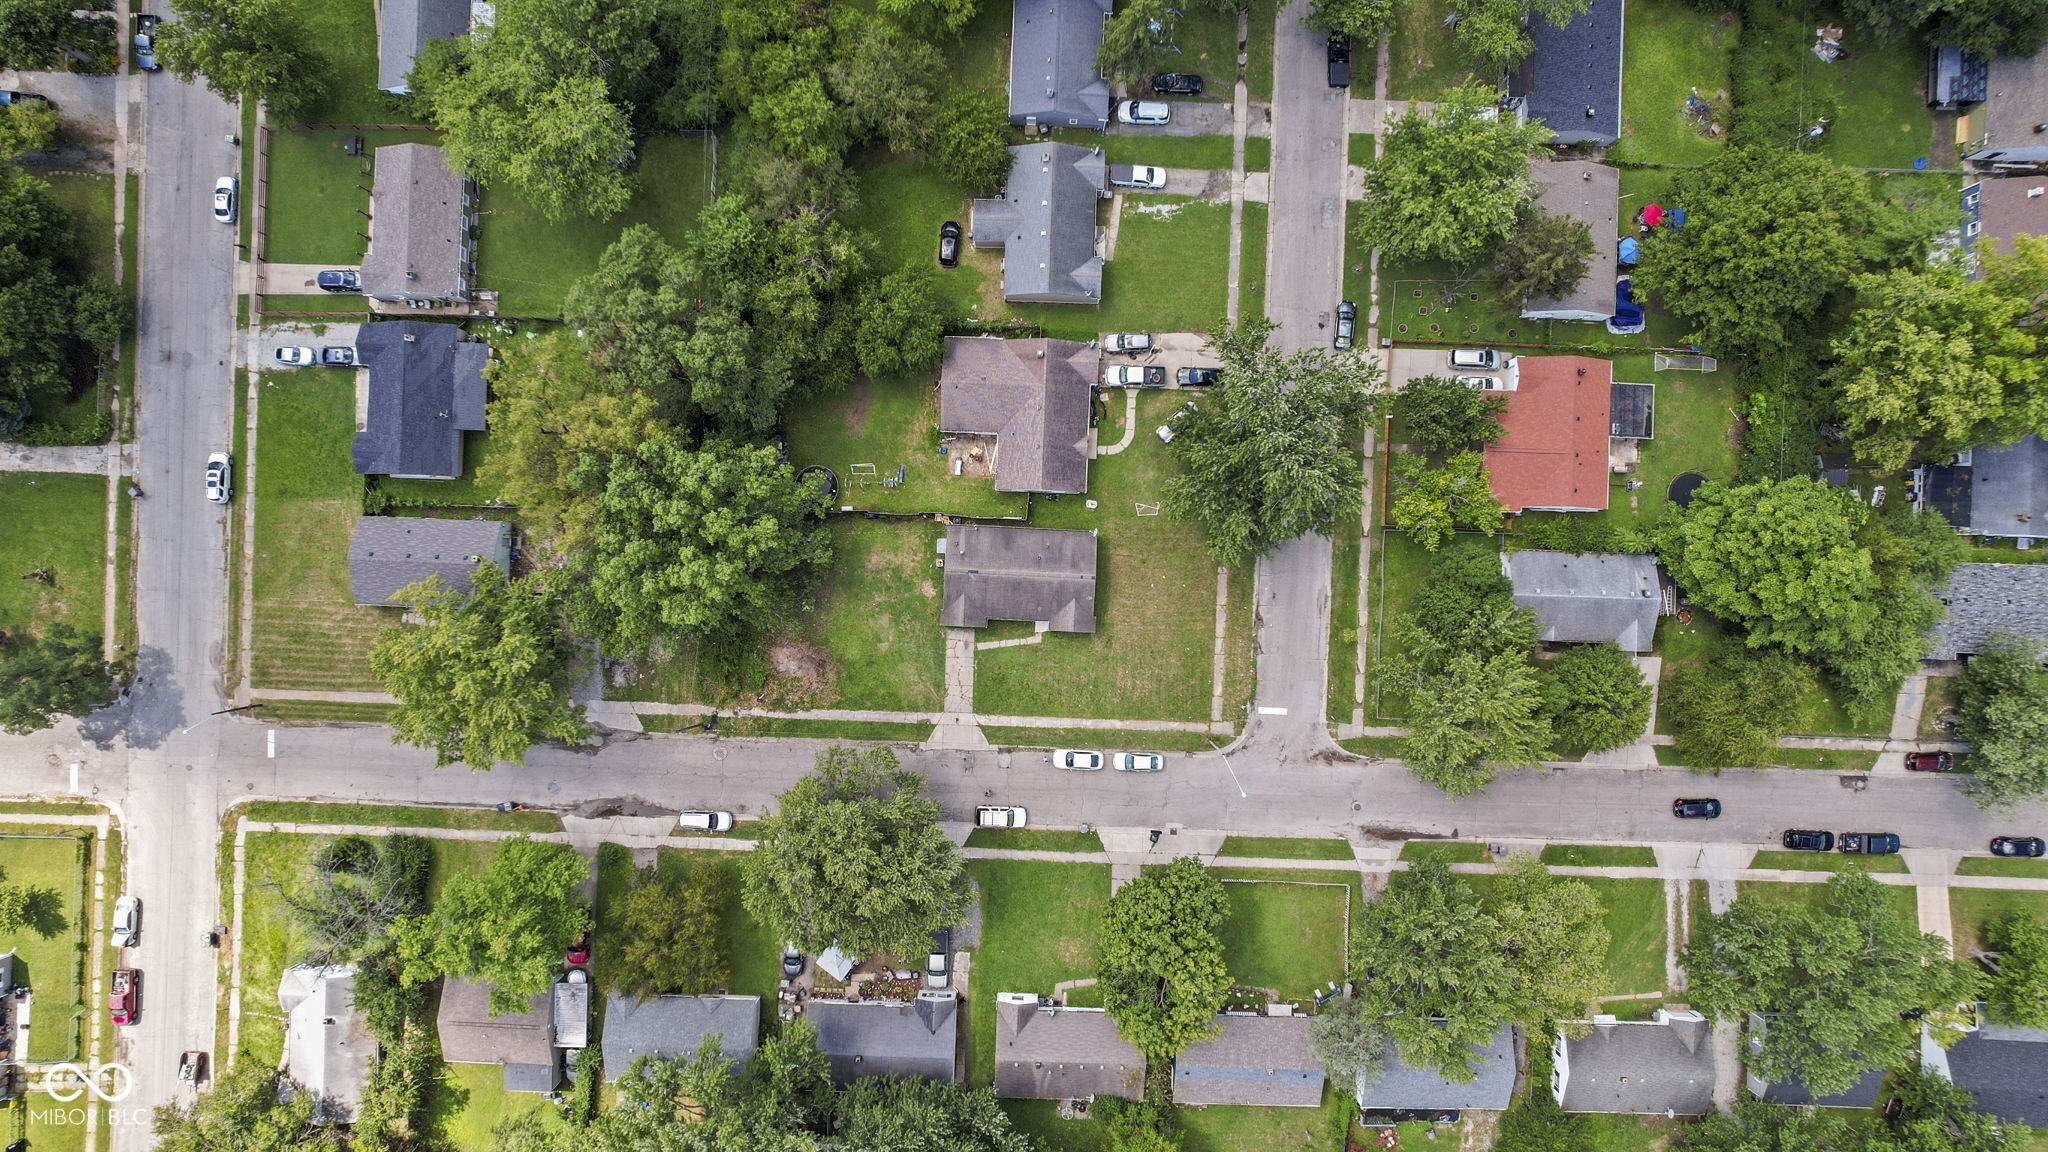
[
  {"x": 1424, "y": 56},
  {"x": 1284, "y": 848},
  {"x": 51, "y": 949},
  {"x": 1287, "y": 937},
  {"x": 1943, "y": 693},
  {"x": 89, "y": 198},
  {"x": 314, "y": 194},
  {"x": 1599, "y": 856},
  {"x": 1445, "y": 852},
  {"x": 1110, "y": 739},
  {"x": 903, "y": 201},
  {"x": 1825, "y": 862},
  {"x": 1034, "y": 840},
  {"x": 1038, "y": 927},
  {"x": 1674, "y": 50},
  {"x": 399, "y": 816},
  {"x": 753, "y": 950},
  {"x": 1881, "y": 119},
  {"x": 1345, "y": 555},
  {"x": 56, "y": 523},
  {"x": 1818, "y": 712}
]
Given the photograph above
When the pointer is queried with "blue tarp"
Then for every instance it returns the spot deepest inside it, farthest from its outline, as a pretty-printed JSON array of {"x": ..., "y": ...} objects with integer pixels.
[
  {"x": 1628, "y": 250},
  {"x": 1627, "y": 312}
]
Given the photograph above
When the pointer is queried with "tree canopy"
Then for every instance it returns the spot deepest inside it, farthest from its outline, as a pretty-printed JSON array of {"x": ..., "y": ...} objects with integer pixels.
[
  {"x": 240, "y": 1112},
  {"x": 1359, "y": 19},
  {"x": 1451, "y": 184},
  {"x": 33, "y": 32},
  {"x": 505, "y": 926},
  {"x": 668, "y": 931},
  {"x": 1728, "y": 710},
  {"x": 1545, "y": 258},
  {"x": 253, "y": 48},
  {"x": 1498, "y": 32},
  {"x": 1159, "y": 958},
  {"x": 1432, "y": 501},
  {"x": 57, "y": 321},
  {"x": 853, "y": 855},
  {"x": 59, "y": 673},
  {"x": 1595, "y": 697},
  {"x": 2002, "y": 710},
  {"x": 2017, "y": 990},
  {"x": 1442, "y": 414}
]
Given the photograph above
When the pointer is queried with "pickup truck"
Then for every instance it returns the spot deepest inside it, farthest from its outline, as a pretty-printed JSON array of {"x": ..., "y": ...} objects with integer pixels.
[
  {"x": 1868, "y": 843},
  {"x": 1137, "y": 176},
  {"x": 1134, "y": 376},
  {"x": 122, "y": 994}
]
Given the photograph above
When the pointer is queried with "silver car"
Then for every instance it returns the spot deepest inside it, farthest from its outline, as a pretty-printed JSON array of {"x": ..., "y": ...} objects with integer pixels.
[
  {"x": 127, "y": 921},
  {"x": 1077, "y": 760},
  {"x": 1138, "y": 762},
  {"x": 1144, "y": 112},
  {"x": 220, "y": 477},
  {"x": 226, "y": 191}
]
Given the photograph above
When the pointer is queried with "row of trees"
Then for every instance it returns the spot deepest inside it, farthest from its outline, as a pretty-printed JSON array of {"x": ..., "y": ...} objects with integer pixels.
[
  {"x": 1494, "y": 34},
  {"x": 36, "y": 34}
]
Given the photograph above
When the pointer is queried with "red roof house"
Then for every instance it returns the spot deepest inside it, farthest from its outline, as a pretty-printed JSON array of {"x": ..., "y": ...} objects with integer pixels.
[{"x": 1553, "y": 455}]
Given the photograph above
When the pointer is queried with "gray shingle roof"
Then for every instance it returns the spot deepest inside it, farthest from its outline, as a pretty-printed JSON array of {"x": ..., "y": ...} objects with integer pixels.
[
  {"x": 1052, "y": 63},
  {"x": 1639, "y": 1067},
  {"x": 326, "y": 1046},
  {"x": 670, "y": 1026},
  {"x": 387, "y": 553},
  {"x": 1571, "y": 79},
  {"x": 1587, "y": 598},
  {"x": 996, "y": 573},
  {"x": 419, "y": 227},
  {"x": 2001, "y": 492},
  {"x": 523, "y": 1042},
  {"x": 405, "y": 26},
  {"x": 1403, "y": 1085},
  {"x": 426, "y": 390},
  {"x": 2018, "y": 93},
  {"x": 1984, "y": 599},
  {"x": 1861, "y": 1094},
  {"x": 1033, "y": 396},
  {"x": 1045, "y": 224},
  {"x": 875, "y": 1038},
  {"x": 1061, "y": 1053},
  {"x": 1262, "y": 1060},
  {"x": 1588, "y": 193},
  {"x": 2006, "y": 1070}
]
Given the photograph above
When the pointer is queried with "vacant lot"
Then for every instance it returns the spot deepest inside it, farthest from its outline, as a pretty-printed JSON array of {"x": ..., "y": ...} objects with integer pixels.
[
  {"x": 1812, "y": 896},
  {"x": 1635, "y": 928},
  {"x": 1399, "y": 568},
  {"x": 903, "y": 201},
  {"x": 889, "y": 428},
  {"x": 51, "y": 949},
  {"x": 1423, "y": 56},
  {"x": 272, "y": 940},
  {"x": 470, "y": 1099},
  {"x": 315, "y": 192},
  {"x": 53, "y": 523},
  {"x": 1675, "y": 51},
  {"x": 1286, "y": 937},
  {"x": 1881, "y": 119},
  {"x": 1819, "y": 712},
  {"x": 90, "y": 200},
  {"x": 1038, "y": 927}
]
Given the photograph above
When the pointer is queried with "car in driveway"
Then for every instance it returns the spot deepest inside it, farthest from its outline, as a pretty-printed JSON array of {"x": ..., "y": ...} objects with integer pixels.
[
  {"x": 1809, "y": 840},
  {"x": 949, "y": 244},
  {"x": 339, "y": 280},
  {"x": 124, "y": 996},
  {"x": 703, "y": 820},
  {"x": 1479, "y": 383},
  {"x": 1705, "y": 808},
  {"x": 1144, "y": 112},
  {"x": 1134, "y": 376},
  {"x": 2024, "y": 846},
  {"x": 220, "y": 477},
  {"x": 9, "y": 97},
  {"x": 792, "y": 961},
  {"x": 145, "y": 42},
  {"x": 226, "y": 195},
  {"x": 1176, "y": 84},
  {"x": 1347, "y": 324},
  {"x": 1077, "y": 760},
  {"x": 1128, "y": 343},
  {"x": 1138, "y": 762},
  {"x": 1196, "y": 377},
  {"x": 127, "y": 922},
  {"x": 999, "y": 816},
  {"x": 1930, "y": 761},
  {"x": 294, "y": 356},
  {"x": 578, "y": 952},
  {"x": 1338, "y": 51},
  {"x": 338, "y": 355},
  {"x": 1486, "y": 359},
  {"x": 936, "y": 974},
  {"x": 1868, "y": 843}
]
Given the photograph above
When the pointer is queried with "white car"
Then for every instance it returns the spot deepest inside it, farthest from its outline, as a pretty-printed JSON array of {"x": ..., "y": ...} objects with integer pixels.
[
  {"x": 1138, "y": 762},
  {"x": 226, "y": 191},
  {"x": 295, "y": 356},
  {"x": 999, "y": 816},
  {"x": 1482, "y": 383},
  {"x": 704, "y": 821},
  {"x": 220, "y": 477},
  {"x": 1077, "y": 760},
  {"x": 1144, "y": 112},
  {"x": 1130, "y": 343},
  {"x": 127, "y": 921},
  {"x": 935, "y": 974},
  {"x": 1483, "y": 358}
]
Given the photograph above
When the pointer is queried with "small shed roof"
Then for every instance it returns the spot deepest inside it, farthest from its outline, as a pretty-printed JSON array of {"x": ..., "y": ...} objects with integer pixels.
[
  {"x": 1402, "y": 1085},
  {"x": 1632, "y": 411},
  {"x": 389, "y": 553},
  {"x": 1061, "y": 1053},
  {"x": 1003, "y": 573},
  {"x": 665, "y": 1027},
  {"x": 1258, "y": 1060},
  {"x": 886, "y": 1038}
]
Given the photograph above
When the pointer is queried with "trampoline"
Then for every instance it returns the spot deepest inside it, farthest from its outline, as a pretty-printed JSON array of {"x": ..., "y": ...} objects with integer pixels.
[
  {"x": 828, "y": 481},
  {"x": 1683, "y": 486}
]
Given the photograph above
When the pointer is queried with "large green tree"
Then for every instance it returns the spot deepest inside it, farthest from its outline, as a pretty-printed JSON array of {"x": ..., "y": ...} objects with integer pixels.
[
  {"x": 1426, "y": 960},
  {"x": 853, "y": 855},
  {"x": 1362, "y": 20},
  {"x": 1544, "y": 258},
  {"x": 1470, "y": 712},
  {"x": 1834, "y": 981},
  {"x": 1728, "y": 710},
  {"x": 33, "y": 32},
  {"x": 1349, "y": 1041},
  {"x": 25, "y": 126},
  {"x": 59, "y": 673},
  {"x": 56, "y": 323},
  {"x": 504, "y": 926},
  {"x": 968, "y": 139},
  {"x": 1451, "y": 184},
  {"x": 1432, "y": 501},
  {"x": 1756, "y": 1126},
  {"x": 2017, "y": 992},
  {"x": 1595, "y": 697},
  {"x": 2002, "y": 710},
  {"x": 1442, "y": 414},
  {"x": 356, "y": 891},
  {"x": 1266, "y": 451},
  {"x": 668, "y": 931},
  {"x": 1159, "y": 958},
  {"x": 255, "y": 48},
  {"x": 241, "y": 1112},
  {"x": 1497, "y": 33},
  {"x": 1992, "y": 27},
  {"x": 892, "y": 1114}
]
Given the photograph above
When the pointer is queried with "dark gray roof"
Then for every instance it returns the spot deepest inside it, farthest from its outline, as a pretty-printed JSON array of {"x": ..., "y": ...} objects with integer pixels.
[
  {"x": 877, "y": 1038},
  {"x": 1861, "y": 1094},
  {"x": 426, "y": 390},
  {"x": 1261, "y": 1060},
  {"x": 405, "y": 26},
  {"x": 388, "y": 553},
  {"x": 1061, "y": 1053},
  {"x": 1640, "y": 1067},
  {"x": 2004, "y": 1068},
  {"x": 2018, "y": 93},
  {"x": 995, "y": 573},
  {"x": 1985, "y": 599},
  {"x": 1632, "y": 414},
  {"x": 1045, "y": 224},
  {"x": 1403, "y": 1085},
  {"x": 523, "y": 1043},
  {"x": 2002, "y": 491},
  {"x": 1033, "y": 396},
  {"x": 670, "y": 1026},
  {"x": 1571, "y": 79},
  {"x": 1587, "y": 598},
  {"x": 418, "y": 226},
  {"x": 1052, "y": 63},
  {"x": 1956, "y": 77},
  {"x": 1588, "y": 193}
]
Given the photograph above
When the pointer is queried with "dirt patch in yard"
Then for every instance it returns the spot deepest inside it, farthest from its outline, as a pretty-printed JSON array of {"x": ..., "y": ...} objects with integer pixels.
[
  {"x": 858, "y": 399},
  {"x": 801, "y": 674}
]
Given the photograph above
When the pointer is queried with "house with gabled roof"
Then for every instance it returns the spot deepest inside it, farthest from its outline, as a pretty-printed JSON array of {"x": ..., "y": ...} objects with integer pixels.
[
  {"x": 1588, "y": 598},
  {"x": 1642, "y": 1067},
  {"x": 1985, "y": 600},
  {"x": 1046, "y": 1052},
  {"x": 422, "y": 229},
  {"x": 1552, "y": 454},
  {"x": 1252, "y": 1060},
  {"x": 1053, "y": 79},
  {"x": 919, "y": 1039},
  {"x": 520, "y": 1043},
  {"x": 1044, "y": 575},
  {"x": 328, "y": 1049},
  {"x": 2008, "y": 123},
  {"x": 1044, "y": 222},
  {"x": 1588, "y": 193},
  {"x": 1861, "y": 1094},
  {"x": 1571, "y": 79},
  {"x": 426, "y": 388},
  {"x": 668, "y": 1027},
  {"x": 387, "y": 554},
  {"x": 1998, "y": 210},
  {"x": 1405, "y": 1087},
  {"x": 1034, "y": 396},
  {"x": 1999, "y": 490},
  {"x": 405, "y": 28}
]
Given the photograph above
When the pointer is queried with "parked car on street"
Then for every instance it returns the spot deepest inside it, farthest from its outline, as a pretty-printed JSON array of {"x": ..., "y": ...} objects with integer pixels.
[
  {"x": 294, "y": 356},
  {"x": 2019, "y": 846},
  {"x": 1347, "y": 324},
  {"x": 1483, "y": 358},
  {"x": 1700, "y": 809},
  {"x": 949, "y": 244},
  {"x": 1077, "y": 760},
  {"x": 999, "y": 816},
  {"x": 1128, "y": 343},
  {"x": 1868, "y": 843},
  {"x": 339, "y": 280},
  {"x": 220, "y": 477},
  {"x": 1176, "y": 84},
  {"x": 701, "y": 820},
  {"x": 1144, "y": 112},
  {"x": 1930, "y": 761},
  {"x": 1138, "y": 762},
  {"x": 1197, "y": 377},
  {"x": 145, "y": 42},
  {"x": 127, "y": 921},
  {"x": 1809, "y": 840},
  {"x": 1339, "y": 53},
  {"x": 124, "y": 996},
  {"x": 226, "y": 191},
  {"x": 338, "y": 355},
  {"x": 192, "y": 1068},
  {"x": 1134, "y": 376}
]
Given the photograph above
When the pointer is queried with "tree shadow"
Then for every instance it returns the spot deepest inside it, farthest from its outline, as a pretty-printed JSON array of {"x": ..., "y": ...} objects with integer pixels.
[
  {"x": 44, "y": 912},
  {"x": 147, "y": 711}
]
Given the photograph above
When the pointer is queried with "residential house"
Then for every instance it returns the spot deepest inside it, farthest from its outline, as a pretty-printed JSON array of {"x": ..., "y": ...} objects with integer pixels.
[
  {"x": 1861, "y": 1094},
  {"x": 1034, "y": 397},
  {"x": 1053, "y": 79},
  {"x": 1588, "y": 598},
  {"x": 1984, "y": 600},
  {"x": 1997, "y": 210},
  {"x": 389, "y": 553},
  {"x": 327, "y": 1049},
  {"x": 1552, "y": 455},
  {"x": 1955, "y": 78},
  {"x": 426, "y": 390},
  {"x": 1049, "y": 1053},
  {"x": 2004, "y": 1068},
  {"x": 521, "y": 1043},
  {"x": 1044, "y": 222},
  {"x": 665, "y": 1027},
  {"x": 1408, "y": 1087},
  {"x": 1258, "y": 1060},
  {"x": 1571, "y": 79},
  {"x": 1045, "y": 575},
  {"x": 918, "y": 1039},
  {"x": 422, "y": 227},
  {"x": 1643, "y": 1067},
  {"x": 571, "y": 1011},
  {"x": 2014, "y": 116},
  {"x": 1999, "y": 491},
  {"x": 405, "y": 27},
  {"x": 1588, "y": 193}
]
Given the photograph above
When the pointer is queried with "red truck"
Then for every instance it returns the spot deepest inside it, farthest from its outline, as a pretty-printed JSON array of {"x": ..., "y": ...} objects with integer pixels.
[{"x": 124, "y": 996}]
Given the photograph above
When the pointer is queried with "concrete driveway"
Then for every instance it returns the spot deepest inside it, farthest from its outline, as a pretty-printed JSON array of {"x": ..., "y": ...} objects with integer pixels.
[
  {"x": 1405, "y": 364},
  {"x": 275, "y": 336},
  {"x": 1190, "y": 118},
  {"x": 1172, "y": 351}
]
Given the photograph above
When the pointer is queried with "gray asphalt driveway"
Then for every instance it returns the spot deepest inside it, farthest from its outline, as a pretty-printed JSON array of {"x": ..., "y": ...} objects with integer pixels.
[{"x": 1190, "y": 118}]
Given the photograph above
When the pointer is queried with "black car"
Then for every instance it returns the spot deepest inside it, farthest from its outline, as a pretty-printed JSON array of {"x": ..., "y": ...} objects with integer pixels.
[
  {"x": 1347, "y": 323},
  {"x": 1196, "y": 377},
  {"x": 1868, "y": 843},
  {"x": 2019, "y": 846},
  {"x": 949, "y": 244},
  {"x": 1176, "y": 84},
  {"x": 1340, "y": 61},
  {"x": 339, "y": 280},
  {"x": 1702, "y": 809},
  {"x": 1809, "y": 840}
]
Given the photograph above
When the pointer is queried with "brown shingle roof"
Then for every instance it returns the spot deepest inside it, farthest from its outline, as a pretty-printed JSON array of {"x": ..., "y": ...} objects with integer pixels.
[
  {"x": 999, "y": 573},
  {"x": 1061, "y": 1053},
  {"x": 1033, "y": 396}
]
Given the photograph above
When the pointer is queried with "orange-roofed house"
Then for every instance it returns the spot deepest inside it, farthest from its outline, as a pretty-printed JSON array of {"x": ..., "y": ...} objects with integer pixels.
[{"x": 1553, "y": 454}]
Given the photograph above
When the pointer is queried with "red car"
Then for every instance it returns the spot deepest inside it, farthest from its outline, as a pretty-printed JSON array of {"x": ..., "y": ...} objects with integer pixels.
[
  {"x": 1930, "y": 761},
  {"x": 124, "y": 996},
  {"x": 579, "y": 952}
]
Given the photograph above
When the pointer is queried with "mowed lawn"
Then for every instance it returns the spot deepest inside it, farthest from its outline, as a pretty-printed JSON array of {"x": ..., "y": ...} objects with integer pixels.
[
  {"x": 309, "y": 633},
  {"x": 89, "y": 198},
  {"x": 531, "y": 261},
  {"x": 1634, "y": 915},
  {"x": 877, "y": 617},
  {"x": 1812, "y": 897},
  {"x": 469, "y": 1100},
  {"x": 1038, "y": 927},
  {"x": 1150, "y": 657},
  {"x": 1423, "y": 56},
  {"x": 50, "y": 950},
  {"x": 903, "y": 203},
  {"x": 1674, "y": 50},
  {"x": 892, "y": 424},
  {"x": 1166, "y": 274},
  {"x": 1972, "y": 911},
  {"x": 272, "y": 940},
  {"x": 315, "y": 192},
  {"x": 343, "y": 33},
  {"x": 1287, "y": 937},
  {"x": 56, "y": 523}
]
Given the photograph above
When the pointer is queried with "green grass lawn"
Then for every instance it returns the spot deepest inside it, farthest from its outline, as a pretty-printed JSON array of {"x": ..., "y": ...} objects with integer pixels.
[
  {"x": 271, "y": 938},
  {"x": 1040, "y": 1120},
  {"x": 89, "y": 198},
  {"x": 1939, "y": 705},
  {"x": 1258, "y": 157},
  {"x": 2000, "y": 866},
  {"x": 1150, "y": 657},
  {"x": 1235, "y": 1129},
  {"x": 1038, "y": 926},
  {"x": 1214, "y": 152},
  {"x": 1147, "y": 286},
  {"x": 902, "y": 203},
  {"x": 344, "y": 34},
  {"x": 1826, "y": 862},
  {"x": 1286, "y": 937},
  {"x": 399, "y": 816},
  {"x": 1112, "y": 739},
  {"x": 315, "y": 193},
  {"x": 1399, "y": 568},
  {"x": 1882, "y": 121},
  {"x": 1034, "y": 840},
  {"x": 1599, "y": 856},
  {"x": 1345, "y": 549},
  {"x": 531, "y": 261},
  {"x": 1972, "y": 910},
  {"x": 979, "y": 57},
  {"x": 1423, "y": 54},
  {"x": 57, "y": 523},
  {"x": 1261, "y": 22},
  {"x": 470, "y": 1100},
  {"x": 1445, "y": 852},
  {"x": 51, "y": 949},
  {"x": 1634, "y": 915},
  {"x": 1904, "y": 901},
  {"x": 1251, "y": 261},
  {"x": 465, "y": 491},
  {"x": 1819, "y": 712},
  {"x": 1284, "y": 848},
  {"x": 309, "y": 633},
  {"x": 1616, "y": 1133},
  {"x": 893, "y": 424},
  {"x": 753, "y": 951},
  {"x": 1674, "y": 50}
]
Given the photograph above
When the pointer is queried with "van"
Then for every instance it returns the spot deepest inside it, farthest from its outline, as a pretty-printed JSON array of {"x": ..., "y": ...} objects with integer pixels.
[{"x": 699, "y": 821}]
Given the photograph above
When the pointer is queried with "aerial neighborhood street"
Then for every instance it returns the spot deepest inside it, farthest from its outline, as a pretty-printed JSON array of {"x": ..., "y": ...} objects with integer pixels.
[{"x": 1007, "y": 575}]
